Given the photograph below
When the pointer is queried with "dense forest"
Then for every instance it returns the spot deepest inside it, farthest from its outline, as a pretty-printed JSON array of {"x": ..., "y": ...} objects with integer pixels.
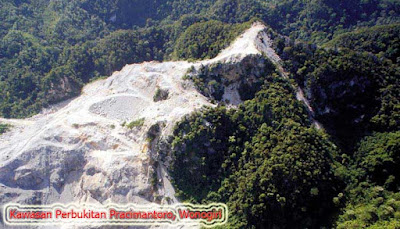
[
  {"x": 50, "y": 49},
  {"x": 276, "y": 170},
  {"x": 264, "y": 158}
]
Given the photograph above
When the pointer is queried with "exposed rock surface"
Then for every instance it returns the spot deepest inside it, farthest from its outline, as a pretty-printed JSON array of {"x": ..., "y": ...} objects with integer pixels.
[{"x": 78, "y": 151}]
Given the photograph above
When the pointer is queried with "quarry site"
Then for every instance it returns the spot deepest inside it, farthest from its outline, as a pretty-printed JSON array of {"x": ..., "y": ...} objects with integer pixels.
[{"x": 83, "y": 151}]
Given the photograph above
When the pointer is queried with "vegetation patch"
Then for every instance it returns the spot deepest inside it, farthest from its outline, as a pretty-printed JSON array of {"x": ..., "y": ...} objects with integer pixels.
[
  {"x": 135, "y": 123},
  {"x": 381, "y": 40},
  {"x": 160, "y": 94},
  {"x": 154, "y": 131},
  {"x": 4, "y": 128},
  {"x": 373, "y": 190},
  {"x": 204, "y": 40}
]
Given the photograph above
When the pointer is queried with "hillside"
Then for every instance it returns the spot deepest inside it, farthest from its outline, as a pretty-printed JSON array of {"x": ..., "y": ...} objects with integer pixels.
[
  {"x": 103, "y": 145},
  {"x": 286, "y": 111},
  {"x": 51, "y": 49},
  {"x": 382, "y": 41}
]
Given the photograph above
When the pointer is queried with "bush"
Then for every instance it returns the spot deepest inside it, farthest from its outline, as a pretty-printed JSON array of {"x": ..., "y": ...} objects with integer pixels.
[
  {"x": 4, "y": 128},
  {"x": 160, "y": 94},
  {"x": 136, "y": 123}
]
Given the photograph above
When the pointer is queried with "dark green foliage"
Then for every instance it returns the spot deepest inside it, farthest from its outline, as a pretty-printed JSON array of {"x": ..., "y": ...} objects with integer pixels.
[
  {"x": 351, "y": 92},
  {"x": 45, "y": 44},
  {"x": 309, "y": 20},
  {"x": 3, "y": 128},
  {"x": 161, "y": 94},
  {"x": 354, "y": 94},
  {"x": 49, "y": 50},
  {"x": 377, "y": 208},
  {"x": 204, "y": 40},
  {"x": 284, "y": 178},
  {"x": 200, "y": 147},
  {"x": 373, "y": 186},
  {"x": 127, "y": 46},
  {"x": 251, "y": 81},
  {"x": 381, "y": 40},
  {"x": 263, "y": 160},
  {"x": 378, "y": 157},
  {"x": 154, "y": 131},
  {"x": 233, "y": 11}
]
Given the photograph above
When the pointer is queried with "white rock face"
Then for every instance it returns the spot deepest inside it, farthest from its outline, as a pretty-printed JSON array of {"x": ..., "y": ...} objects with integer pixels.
[{"x": 77, "y": 151}]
